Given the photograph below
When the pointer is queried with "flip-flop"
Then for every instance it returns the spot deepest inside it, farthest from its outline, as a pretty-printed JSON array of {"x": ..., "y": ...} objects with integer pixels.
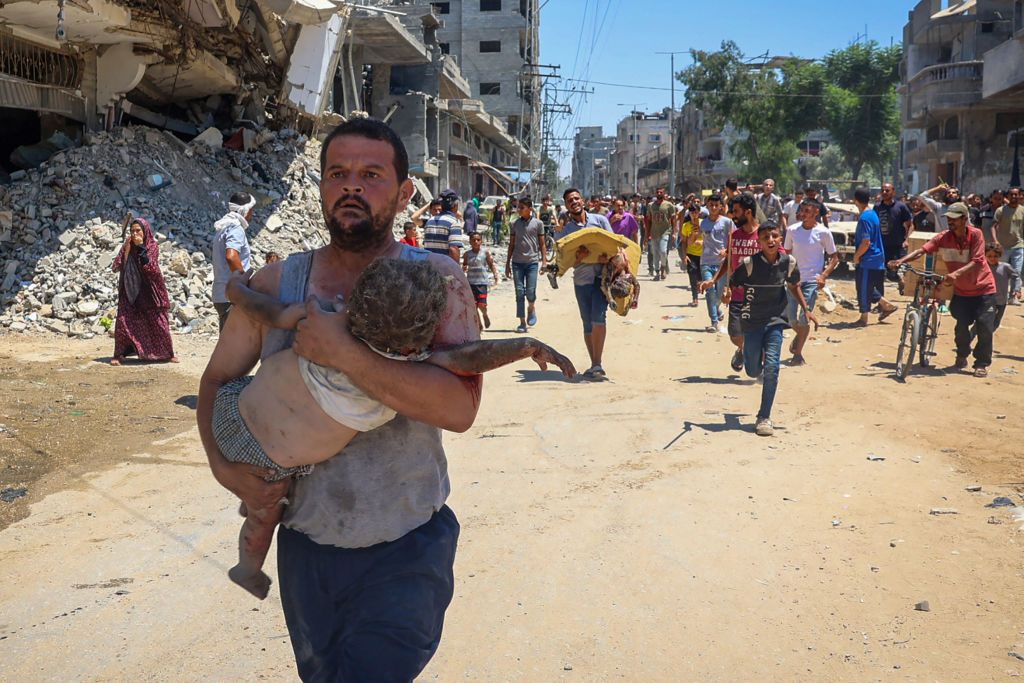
[
  {"x": 532, "y": 320},
  {"x": 885, "y": 314}
]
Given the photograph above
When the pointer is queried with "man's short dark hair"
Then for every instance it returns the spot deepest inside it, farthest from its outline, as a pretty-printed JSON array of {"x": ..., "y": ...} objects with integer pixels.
[
  {"x": 372, "y": 129},
  {"x": 745, "y": 201},
  {"x": 570, "y": 191},
  {"x": 715, "y": 198},
  {"x": 811, "y": 202},
  {"x": 732, "y": 183},
  {"x": 862, "y": 195},
  {"x": 472, "y": 233},
  {"x": 767, "y": 226},
  {"x": 526, "y": 200},
  {"x": 240, "y": 198}
]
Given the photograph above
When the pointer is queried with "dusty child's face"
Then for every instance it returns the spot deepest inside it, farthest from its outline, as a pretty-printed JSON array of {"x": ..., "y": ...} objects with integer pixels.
[
  {"x": 770, "y": 241},
  {"x": 992, "y": 258},
  {"x": 475, "y": 242}
]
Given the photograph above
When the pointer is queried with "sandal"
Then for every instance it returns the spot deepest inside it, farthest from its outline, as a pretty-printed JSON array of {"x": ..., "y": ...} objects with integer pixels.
[
  {"x": 885, "y": 314},
  {"x": 981, "y": 372}
]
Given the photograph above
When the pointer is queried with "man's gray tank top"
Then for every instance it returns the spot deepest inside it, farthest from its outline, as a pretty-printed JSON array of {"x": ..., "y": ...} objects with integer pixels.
[{"x": 385, "y": 483}]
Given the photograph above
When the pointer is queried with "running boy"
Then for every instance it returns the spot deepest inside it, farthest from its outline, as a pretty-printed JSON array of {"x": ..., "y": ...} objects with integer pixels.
[
  {"x": 1007, "y": 280},
  {"x": 765, "y": 277},
  {"x": 475, "y": 264},
  {"x": 293, "y": 413}
]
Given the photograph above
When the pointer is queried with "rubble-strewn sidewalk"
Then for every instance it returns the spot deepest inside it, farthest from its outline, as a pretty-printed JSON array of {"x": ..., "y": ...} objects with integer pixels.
[{"x": 60, "y": 227}]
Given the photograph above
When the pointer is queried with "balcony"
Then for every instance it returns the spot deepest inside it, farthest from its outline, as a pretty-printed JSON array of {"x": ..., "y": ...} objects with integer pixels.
[
  {"x": 941, "y": 88},
  {"x": 936, "y": 151},
  {"x": 1003, "y": 72}
]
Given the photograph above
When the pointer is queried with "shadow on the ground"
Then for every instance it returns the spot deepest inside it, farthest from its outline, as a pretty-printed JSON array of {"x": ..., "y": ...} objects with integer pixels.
[
  {"x": 698, "y": 330},
  {"x": 526, "y": 376},
  {"x": 189, "y": 401},
  {"x": 1007, "y": 356},
  {"x": 730, "y": 379},
  {"x": 731, "y": 422}
]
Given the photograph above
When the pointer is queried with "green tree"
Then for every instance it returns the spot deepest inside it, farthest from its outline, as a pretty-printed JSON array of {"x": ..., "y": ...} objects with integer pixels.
[
  {"x": 861, "y": 110},
  {"x": 773, "y": 107}
]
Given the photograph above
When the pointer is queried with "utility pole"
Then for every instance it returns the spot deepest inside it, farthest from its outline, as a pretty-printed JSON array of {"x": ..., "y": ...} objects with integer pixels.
[
  {"x": 633, "y": 113},
  {"x": 671, "y": 116}
]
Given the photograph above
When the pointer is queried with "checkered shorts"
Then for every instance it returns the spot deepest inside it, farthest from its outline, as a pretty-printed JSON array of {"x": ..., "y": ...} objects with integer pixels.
[{"x": 234, "y": 439}]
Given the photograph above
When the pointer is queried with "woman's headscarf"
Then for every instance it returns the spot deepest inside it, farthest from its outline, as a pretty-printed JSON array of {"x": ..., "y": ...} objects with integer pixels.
[{"x": 132, "y": 267}]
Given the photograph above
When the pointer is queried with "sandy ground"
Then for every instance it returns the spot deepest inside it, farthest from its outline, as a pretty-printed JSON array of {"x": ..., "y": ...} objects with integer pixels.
[{"x": 629, "y": 530}]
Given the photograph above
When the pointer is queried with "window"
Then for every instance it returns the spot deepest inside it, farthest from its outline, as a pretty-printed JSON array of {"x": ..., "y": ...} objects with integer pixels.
[
  {"x": 487, "y": 146},
  {"x": 490, "y": 5},
  {"x": 456, "y": 130},
  {"x": 490, "y": 88},
  {"x": 476, "y": 141},
  {"x": 446, "y": 48},
  {"x": 442, "y": 7},
  {"x": 1009, "y": 122},
  {"x": 987, "y": 27},
  {"x": 654, "y": 138},
  {"x": 490, "y": 46}
]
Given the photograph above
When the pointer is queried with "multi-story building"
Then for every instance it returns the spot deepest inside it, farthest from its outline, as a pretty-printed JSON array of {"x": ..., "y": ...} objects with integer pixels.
[
  {"x": 497, "y": 46},
  {"x": 962, "y": 93},
  {"x": 636, "y": 136},
  {"x": 591, "y": 156}
]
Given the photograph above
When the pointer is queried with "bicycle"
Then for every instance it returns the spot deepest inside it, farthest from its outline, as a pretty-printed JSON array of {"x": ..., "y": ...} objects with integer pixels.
[{"x": 921, "y": 323}]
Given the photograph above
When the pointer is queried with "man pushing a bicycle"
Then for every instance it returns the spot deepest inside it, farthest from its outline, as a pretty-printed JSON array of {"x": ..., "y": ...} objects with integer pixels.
[{"x": 962, "y": 248}]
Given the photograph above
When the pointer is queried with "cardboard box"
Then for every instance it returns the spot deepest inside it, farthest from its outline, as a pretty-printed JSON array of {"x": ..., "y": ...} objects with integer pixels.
[{"x": 929, "y": 262}]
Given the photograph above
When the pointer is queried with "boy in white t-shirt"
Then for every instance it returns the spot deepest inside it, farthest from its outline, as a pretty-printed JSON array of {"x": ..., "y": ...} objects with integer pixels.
[{"x": 809, "y": 242}]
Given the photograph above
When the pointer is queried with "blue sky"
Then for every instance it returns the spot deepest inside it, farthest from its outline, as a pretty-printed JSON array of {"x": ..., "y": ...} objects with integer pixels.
[{"x": 615, "y": 41}]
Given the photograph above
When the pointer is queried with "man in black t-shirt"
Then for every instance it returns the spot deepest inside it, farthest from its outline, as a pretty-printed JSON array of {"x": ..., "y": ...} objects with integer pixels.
[
  {"x": 765, "y": 277},
  {"x": 896, "y": 223}
]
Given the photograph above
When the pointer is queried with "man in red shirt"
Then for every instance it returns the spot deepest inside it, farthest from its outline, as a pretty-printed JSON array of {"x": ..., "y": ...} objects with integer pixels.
[{"x": 962, "y": 247}]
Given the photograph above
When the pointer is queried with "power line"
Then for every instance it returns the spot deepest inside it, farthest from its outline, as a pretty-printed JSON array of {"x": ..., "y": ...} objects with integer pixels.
[{"x": 729, "y": 92}]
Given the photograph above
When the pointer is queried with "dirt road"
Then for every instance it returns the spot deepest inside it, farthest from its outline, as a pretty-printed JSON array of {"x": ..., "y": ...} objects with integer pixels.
[{"x": 630, "y": 530}]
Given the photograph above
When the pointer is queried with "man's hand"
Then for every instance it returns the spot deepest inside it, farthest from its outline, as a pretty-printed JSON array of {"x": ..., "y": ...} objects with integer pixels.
[
  {"x": 508, "y": 271},
  {"x": 727, "y": 294},
  {"x": 820, "y": 280},
  {"x": 249, "y": 483},
  {"x": 322, "y": 336},
  {"x": 544, "y": 354},
  {"x": 895, "y": 264},
  {"x": 950, "y": 278},
  {"x": 706, "y": 285}
]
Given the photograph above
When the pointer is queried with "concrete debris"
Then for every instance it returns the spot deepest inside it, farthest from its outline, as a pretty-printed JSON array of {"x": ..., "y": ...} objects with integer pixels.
[
  {"x": 61, "y": 228},
  {"x": 944, "y": 511},
  {"x": 923, "y": 606}
]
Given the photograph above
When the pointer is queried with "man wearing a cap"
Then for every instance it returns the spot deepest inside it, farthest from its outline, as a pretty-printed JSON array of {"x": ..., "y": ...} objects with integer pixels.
[
  {"x": 442, "y": 234},
  {"x": 962, "y": 248}
]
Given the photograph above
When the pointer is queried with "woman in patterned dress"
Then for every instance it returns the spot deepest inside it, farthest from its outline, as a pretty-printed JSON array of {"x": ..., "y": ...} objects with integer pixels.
[{"x": 143, "y": 327}]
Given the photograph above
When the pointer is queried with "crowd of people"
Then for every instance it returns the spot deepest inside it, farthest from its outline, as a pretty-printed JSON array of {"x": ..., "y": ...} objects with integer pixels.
[{"x": 367, "y": 598}]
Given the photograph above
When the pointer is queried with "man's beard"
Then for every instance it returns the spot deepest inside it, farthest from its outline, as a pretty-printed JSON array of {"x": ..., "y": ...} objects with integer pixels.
[
  {"x": 740, "y": 221},
  {"x": 361, "y": 235}
]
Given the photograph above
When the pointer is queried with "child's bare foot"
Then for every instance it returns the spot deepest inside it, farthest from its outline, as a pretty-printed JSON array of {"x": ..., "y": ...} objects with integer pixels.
[
  {"x": 174, "y": 359},
  {"x": 258, "y": 584},
  {"x": 116, "y": 360}
]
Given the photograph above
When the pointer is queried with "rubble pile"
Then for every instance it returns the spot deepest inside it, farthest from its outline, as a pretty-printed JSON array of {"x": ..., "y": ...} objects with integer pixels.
[{"x": 60, "y": 226}]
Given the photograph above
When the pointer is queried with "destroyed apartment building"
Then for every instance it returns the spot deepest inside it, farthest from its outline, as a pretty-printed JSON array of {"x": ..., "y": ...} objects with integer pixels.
[{"x": 69, "y": 67}]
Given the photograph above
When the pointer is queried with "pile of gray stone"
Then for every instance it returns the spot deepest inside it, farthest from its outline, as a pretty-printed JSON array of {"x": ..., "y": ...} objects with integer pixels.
[{"x": 61, "y": 226}]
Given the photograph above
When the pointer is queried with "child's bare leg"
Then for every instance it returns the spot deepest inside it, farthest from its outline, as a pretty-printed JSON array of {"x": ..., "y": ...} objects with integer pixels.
[
  {"x": 478, "y": 357},
  {"x": 253, "y": 545}
]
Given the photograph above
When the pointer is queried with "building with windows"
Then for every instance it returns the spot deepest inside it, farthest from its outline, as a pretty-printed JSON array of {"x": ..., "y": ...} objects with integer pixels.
[
  {"x": 496, "y": 44},
  {"x": 962, "y": 93},
  {"x": 591, "y": 156},
  {"x": 636, "y": 136}
]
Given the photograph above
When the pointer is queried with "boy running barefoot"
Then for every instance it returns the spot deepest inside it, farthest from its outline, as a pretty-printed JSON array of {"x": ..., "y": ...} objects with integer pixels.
[
  {"x": 765, "y": 278},
  {"x": 475, "y": 264},
  {"x": 293, "y": 413}
]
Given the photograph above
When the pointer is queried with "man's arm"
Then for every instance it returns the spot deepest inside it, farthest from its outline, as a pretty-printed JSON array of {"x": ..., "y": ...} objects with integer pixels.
[
  {"x": 420, "y": 391},
  {"x": 511, "y": 248},
  {"x": 476, "y": 358},
  {"x": 234, "y": 260},
  {"x": 236, "y": 353}
]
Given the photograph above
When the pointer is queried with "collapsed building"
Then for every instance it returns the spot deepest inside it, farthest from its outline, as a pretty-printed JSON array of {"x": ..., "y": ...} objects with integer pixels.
[
  {"x": 164, "y": 108},
  {"x": 188, "y": 66}
]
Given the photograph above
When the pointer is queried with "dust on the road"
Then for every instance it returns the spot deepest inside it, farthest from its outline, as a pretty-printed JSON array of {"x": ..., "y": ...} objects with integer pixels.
[{"x": 64, "y": 415}]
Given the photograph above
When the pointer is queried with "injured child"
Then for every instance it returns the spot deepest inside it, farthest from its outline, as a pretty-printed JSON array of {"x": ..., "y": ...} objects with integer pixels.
[
  {"x": 619, "y": 285},
  {"x": 293, "y": 413}
]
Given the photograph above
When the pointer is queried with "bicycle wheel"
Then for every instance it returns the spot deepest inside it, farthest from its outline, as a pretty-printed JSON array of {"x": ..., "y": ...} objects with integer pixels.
[
  {"x": 929, "y": 334},
  {"x": 908, "y": 343}
]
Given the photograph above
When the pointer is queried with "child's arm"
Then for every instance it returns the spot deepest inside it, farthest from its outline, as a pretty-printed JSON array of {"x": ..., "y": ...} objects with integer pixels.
[
  {"x": 474, "y": 358},
  {"x": 494, "y": 268},
  {"x": 264, "y": 309}
]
